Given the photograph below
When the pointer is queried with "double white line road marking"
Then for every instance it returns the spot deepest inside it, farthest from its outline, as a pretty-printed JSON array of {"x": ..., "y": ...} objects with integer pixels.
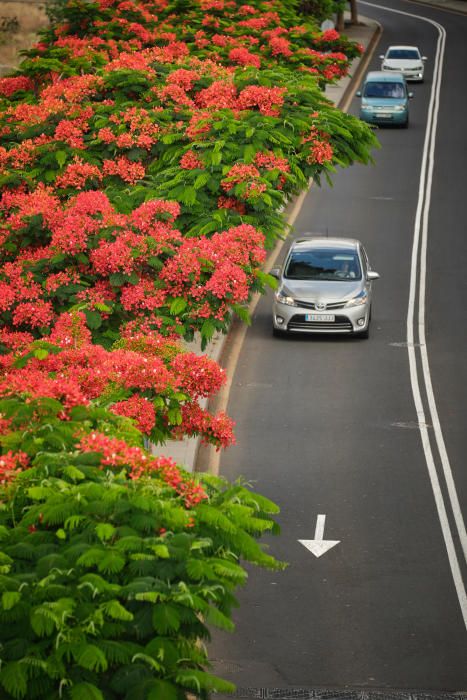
[{"x": 416, "y": 339}]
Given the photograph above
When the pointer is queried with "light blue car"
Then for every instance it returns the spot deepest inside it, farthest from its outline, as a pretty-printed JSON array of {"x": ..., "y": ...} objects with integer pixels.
[{"x": 385, "y": 99}]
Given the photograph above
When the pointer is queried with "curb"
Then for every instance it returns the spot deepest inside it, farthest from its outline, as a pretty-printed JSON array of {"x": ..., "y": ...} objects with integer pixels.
[{"x": 361, "y": 67}]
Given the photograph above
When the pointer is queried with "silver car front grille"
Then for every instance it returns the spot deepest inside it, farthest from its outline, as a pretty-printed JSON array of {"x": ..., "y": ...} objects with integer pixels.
[
  {"x": 312, "y": 305},
  {"x": 340, "y": 324}
]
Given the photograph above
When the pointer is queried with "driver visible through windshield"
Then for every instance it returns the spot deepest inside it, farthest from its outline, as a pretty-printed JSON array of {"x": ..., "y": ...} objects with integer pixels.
[
  {"x": 384, "y": 89},
  {"x": 324, "y": 264}
]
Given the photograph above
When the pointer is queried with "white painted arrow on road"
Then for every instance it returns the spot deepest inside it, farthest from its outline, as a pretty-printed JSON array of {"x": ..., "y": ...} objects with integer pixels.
[{"x": 318, "y": 546}]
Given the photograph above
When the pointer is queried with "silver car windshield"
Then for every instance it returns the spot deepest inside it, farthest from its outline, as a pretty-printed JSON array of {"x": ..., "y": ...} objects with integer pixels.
[{"x": 323, "y": 264}]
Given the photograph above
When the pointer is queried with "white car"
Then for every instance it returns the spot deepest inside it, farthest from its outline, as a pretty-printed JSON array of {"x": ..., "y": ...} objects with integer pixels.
[{"x": 406, "y": 60}]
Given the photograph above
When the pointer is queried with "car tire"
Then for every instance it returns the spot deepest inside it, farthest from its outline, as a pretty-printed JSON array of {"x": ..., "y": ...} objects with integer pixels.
[
  {"x": 405, "y": 124},
  {"x": 364, "y": 335},
  {"x": 277, "y": 333}
]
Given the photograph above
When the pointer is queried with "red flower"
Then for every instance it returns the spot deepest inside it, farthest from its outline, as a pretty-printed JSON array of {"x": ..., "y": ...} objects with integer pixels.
[
  {"x": 268, "y": 100},
  {"x": 139, "y": 408},
  {"x": 34, "y": 314},
  {"x": 190, "y": 161},
  {"x": 10, "y": 464},
  {"x": 330, "y": 35},
  {"x": 244, "y": 58},
  {"x": 280, "y": 46},
  {"x": 8, "y": 86},
  {"x": 125, "y": 169},
  {"x": 219, "y": 95},
  {"x": 77, "y": 174}
]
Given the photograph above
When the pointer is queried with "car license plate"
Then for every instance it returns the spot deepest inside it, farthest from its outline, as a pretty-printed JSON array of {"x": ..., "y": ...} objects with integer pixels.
[
  {"x": 329, "y": 318},
  {"x": 385, "y": 115}
]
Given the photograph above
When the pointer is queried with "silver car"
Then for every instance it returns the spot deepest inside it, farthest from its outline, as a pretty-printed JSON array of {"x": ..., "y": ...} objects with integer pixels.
[{"x": 324, "y": 287}]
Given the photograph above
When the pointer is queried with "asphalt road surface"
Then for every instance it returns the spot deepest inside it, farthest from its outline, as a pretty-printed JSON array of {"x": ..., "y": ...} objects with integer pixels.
[{"x": 329, "y": 426}]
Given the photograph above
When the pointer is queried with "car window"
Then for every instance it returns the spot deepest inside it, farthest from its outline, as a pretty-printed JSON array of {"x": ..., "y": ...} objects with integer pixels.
[
  {"x": 384, "y": 89},
  {"x": 403, "y": 53},
  {"x": 323, "y": 264}
]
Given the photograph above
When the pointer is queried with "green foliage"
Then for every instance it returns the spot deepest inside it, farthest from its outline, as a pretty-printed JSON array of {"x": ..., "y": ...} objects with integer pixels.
[{"x": 108, "y": 585}]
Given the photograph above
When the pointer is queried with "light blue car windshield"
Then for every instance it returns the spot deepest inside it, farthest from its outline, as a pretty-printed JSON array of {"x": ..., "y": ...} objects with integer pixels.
[
  {"x": 384, "y": 89},
  {"x": 324, "y": 264}
]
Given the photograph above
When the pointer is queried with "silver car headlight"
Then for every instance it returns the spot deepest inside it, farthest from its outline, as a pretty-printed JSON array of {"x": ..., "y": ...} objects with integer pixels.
[
  {"x": 359, "y": 300},
  {"x": 399, "y": 108},
  {"x": 284, "y": 298}
]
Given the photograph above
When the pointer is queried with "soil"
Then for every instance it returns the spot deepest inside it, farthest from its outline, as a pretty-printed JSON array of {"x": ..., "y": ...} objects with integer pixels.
[{"x": 20, "y": 24}]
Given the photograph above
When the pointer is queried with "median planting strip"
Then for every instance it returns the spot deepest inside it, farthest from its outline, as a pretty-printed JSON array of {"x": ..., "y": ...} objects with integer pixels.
[{"x": 146, "y": 151}]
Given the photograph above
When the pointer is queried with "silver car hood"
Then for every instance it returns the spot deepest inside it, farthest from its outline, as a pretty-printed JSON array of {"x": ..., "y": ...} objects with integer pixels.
[{"x": 321, "y": 290}]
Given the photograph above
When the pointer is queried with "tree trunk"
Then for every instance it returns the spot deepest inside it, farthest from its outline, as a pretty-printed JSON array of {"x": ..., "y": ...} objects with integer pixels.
[
  {"x": 353, "y": 12},
  {"x": 340, "y": 21}
]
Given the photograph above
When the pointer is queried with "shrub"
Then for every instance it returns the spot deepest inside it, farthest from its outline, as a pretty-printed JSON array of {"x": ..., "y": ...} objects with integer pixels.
[{"x": 113, "y": 564}]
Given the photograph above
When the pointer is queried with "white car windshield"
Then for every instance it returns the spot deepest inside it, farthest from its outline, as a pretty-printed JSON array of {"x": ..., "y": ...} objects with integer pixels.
[
  {"x": 324, "y": 264},
  {"x": 403, "y": 53}
]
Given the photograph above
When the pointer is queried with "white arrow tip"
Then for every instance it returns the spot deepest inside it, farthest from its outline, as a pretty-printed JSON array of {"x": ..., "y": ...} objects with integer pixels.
[{"x": 319, "y": 547}]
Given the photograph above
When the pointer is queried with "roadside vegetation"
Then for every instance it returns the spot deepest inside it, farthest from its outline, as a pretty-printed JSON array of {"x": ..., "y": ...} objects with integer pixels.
[{"x": 146, "y": 152}]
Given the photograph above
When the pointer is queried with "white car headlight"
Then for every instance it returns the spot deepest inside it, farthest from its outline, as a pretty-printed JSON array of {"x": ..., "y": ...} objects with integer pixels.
[
  {"x": 399, "y": 108},
  {"x": 359, "y": 300},
  {"x": 284, "y": 298}
]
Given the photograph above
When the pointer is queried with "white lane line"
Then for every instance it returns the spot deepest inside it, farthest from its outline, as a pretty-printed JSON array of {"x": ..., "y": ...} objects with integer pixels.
[{"x": 421, "y": 226}]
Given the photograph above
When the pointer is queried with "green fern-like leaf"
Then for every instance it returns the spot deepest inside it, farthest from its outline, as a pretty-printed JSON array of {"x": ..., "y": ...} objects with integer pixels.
[
  {"x": 215, "y": 617},
  {"x": 91, "y": 557},
  {"x": 43, "y": 621},
  {"x": 117, "y": 652},
  {"x": 98, "y": 585},
  {"x": 196, "y": 680},
  {"x": 10, "y": 598},
  {"x": 230, "y": 570},
  {"x": 163, "y": 690},
  {"x": 198, "y": 569},
  {"x": 165, "y": 618},
  {"x": 91, "y": 657},
  {"x": 111, "y": 563},
  {"x": 85, "y": 691},
  {"x": 116, "y": 611},
  {"x": 105, "y": 531},
  {"x": 13, "y": 678}
]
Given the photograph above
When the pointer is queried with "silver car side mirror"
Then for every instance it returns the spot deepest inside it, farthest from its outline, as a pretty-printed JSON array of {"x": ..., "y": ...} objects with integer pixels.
[
  {"x": 410, "y": 95},
  {"x": 382, "y": 56},
  {"x": 275, "y": 272},
  {"x": 372, "y": 275},
  {"x": 424, "y": 58}
]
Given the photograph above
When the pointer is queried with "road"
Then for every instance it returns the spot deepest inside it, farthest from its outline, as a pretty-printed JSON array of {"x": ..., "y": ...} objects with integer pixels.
[{"x": 329, "y": 425}]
